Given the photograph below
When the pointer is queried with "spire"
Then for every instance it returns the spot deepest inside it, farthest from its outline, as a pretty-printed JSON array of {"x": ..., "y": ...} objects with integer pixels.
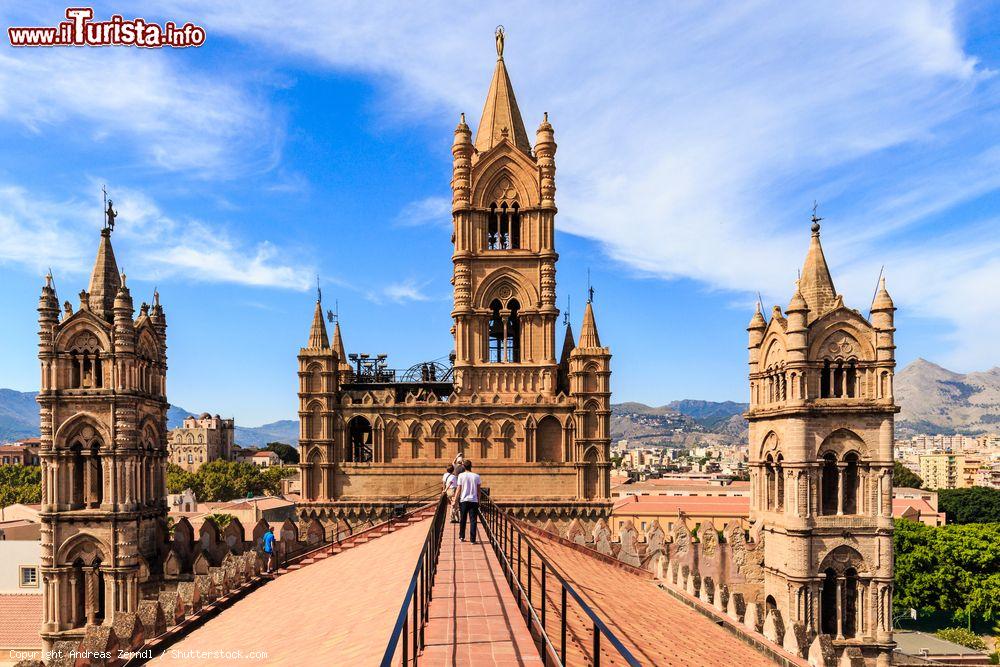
[
  {"x": 757, "y": 322},
  {"x": 104, "y": 280},
  {"x": 317, "y": 333},
  {"x": 588, "y": 333},
  {"x": 501, "y": 117},
  {"x": 568, "y": 344},
  {"x": 882, "y": 299},
  {"x": 816, "y": 285},
  {"x": 338, "y": 344}
]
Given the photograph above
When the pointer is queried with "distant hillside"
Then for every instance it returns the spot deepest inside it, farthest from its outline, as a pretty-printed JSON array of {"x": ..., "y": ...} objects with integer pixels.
[
  {"x": 933, "y": 400},
  {"x": 680, "y": 423},
  {"x": 18, "y": 415},
  {"x": 19, "y": 419},
  {"x": 937, "y": 400}
]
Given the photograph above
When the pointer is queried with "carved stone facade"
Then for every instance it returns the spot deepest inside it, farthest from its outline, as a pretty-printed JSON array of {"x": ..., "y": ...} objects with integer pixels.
[
  {"x": 103, "y": 451},
  {"x": 537, "y": 428},
  {"x": 821, "y": 437}
]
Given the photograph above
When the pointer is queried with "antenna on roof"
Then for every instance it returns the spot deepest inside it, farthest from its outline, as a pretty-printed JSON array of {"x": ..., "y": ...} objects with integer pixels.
[{"x": 875, "y": 293}]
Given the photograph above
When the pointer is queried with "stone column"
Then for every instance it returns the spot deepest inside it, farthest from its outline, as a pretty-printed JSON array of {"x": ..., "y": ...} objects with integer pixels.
[
  {"x": 840, "y": 489},
  {"x": 840, "y": 607}
]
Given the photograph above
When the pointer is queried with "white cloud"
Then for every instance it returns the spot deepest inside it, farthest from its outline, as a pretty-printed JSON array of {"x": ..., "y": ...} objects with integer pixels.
[
  {"x": 401, "y": 292},
  {"x": 145, "y": 102},
  {"x": 42, "y": 233},
  {"x": 693, "y": 138},
  {"x": 430, "y": 210}
]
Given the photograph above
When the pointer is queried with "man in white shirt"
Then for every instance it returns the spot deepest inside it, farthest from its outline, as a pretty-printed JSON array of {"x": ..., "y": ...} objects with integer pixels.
[{"x": 468, "y": 494}]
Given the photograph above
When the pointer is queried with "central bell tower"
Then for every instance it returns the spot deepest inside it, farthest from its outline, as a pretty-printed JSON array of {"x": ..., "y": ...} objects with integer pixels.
[{"x": 503, "y": 208}]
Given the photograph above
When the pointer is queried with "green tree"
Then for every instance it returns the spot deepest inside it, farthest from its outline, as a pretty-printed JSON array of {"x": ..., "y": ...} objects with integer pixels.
[
  {"x": 20, "y": 484},
  {"x": 179, "y": 479},
  {"x": 903, "y": 476},
  {"x": 285, "y": 452},
  {"x": 954, "y": 569},
  {"x": 962, "y": 636},
  {"x": 221, "y": 519},
  {"x": 973, "y": 505}
]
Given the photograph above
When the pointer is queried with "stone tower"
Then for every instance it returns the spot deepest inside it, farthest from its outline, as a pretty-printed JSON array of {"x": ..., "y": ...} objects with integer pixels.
[
  {"x": 103, "y": 451},
  {"x": 536, "y": 427},
  {"x": 504, "y": 258},
  {"x": 821, "y": 454}
]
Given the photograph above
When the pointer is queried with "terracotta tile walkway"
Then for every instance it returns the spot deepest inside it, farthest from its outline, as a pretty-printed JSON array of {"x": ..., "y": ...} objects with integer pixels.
[
  {"x": 336, "y": 611},
  {"x": 473, "y": 618},
  {"x": 655, "y": 627}
]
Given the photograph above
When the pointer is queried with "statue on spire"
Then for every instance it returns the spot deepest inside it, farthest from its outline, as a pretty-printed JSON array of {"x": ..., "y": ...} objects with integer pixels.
[
  {"x": 499, "y": 36},
  {"x": 109, "y": 212}
]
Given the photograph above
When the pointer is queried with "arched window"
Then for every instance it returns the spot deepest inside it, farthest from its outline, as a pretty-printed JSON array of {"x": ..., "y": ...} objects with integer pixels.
[
  {"x": 87, "y": 367},
  {"x": 850, "y": 624},
  {"x": 590, "y": 476},
  {"x": 824, "y": 380},
  {"x": 504, "y": 332},
  {"x": 503, "y": 229},
  {"x": 314, "y": 479},
  {"x": 779, "y": 484},
  {"x": 513, "y": 333},
  {"x": 830, "y": 483},
  {"x": 359, "y": 446},
  {"x": 548, "y": 440},
  {"x": 769, "y": 477},
  {"x": 850, "y": 482},
  {"x": 828, "y": 610}
]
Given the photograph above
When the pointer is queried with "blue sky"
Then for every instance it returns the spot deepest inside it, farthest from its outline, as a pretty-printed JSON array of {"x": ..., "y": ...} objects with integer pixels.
[{"x": 693, "y": 139}]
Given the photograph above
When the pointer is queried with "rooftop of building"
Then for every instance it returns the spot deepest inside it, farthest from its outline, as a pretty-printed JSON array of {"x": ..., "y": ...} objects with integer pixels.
[
  {"x": 912, "y": 642},
  {"x": 20, "y": 614}
]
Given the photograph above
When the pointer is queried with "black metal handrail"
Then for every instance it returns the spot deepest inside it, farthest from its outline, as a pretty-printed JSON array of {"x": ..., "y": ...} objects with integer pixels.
[
  {"x": 418, "y": 594},
  {"x": 513, "y": 547}
]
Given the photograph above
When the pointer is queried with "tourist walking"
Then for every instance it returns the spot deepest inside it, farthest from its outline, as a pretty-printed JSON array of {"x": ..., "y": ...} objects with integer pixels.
[
  {"x": 268, "y": 541},
  {"x": 469, "y": 484},
  {"x": 450, "y": 482},
  {"x": 456, "y": 505}
]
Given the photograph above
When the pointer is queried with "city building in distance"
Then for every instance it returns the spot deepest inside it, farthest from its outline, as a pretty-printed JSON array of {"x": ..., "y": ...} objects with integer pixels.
[{"x": 201, "y": 440}]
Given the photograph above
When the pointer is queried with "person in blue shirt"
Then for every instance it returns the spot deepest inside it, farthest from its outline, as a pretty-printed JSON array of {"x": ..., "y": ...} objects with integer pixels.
[{"x": 268, "y": 540}]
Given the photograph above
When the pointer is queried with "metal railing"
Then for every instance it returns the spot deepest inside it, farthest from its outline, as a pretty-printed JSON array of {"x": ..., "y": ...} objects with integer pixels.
[
  {"x": 513, "y": 549},
  {"x": 413, "y": 613}
]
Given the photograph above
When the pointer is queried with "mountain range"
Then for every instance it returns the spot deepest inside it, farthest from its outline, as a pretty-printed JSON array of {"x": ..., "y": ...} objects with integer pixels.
[{"x": 932, "y": 399}]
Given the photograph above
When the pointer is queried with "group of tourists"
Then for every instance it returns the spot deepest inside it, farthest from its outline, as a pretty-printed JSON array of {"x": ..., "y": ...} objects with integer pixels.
[{"x": 462, "y": 488}]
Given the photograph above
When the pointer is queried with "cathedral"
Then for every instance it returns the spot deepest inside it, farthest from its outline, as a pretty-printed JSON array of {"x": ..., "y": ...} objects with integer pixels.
[
  {"x": 103, "y": 448},
  {"x": 816, "y": 570},
  {"x": 535, "y": 420},
  {"x": 821, "y": 437}
]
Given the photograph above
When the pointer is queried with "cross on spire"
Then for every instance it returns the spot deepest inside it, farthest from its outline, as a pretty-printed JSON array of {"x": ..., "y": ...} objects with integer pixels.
[{"x": 590, "y": 289}]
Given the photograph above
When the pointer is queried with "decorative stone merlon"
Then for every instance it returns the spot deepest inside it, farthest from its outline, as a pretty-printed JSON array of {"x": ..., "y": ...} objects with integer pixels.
[
  {"x": 752, "y": 617},
  {"x": 129, "y": 630},
  {"x": 822, "y": 653},
  {"x": 736, "y": 608},
  {"x": 173, "y": 607},
  {"x": 774, "y": 627},
  {"x": 153, "y": 621}
]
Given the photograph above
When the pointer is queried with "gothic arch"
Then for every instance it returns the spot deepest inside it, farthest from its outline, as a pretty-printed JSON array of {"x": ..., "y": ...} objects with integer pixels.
[
  {"x": 146, "y": 345},
  {"x": 489, "y": 288},
  {"x": 72, "y": 427},
  {"x": 495, "y": 166},
  {"x": 843, "y": 558},
  {"x": 549, "y": 440},
  {"x": 82, "y": 321},
  {"x": 89, "y": 548},
  {"x": 846, "y": 324},
  {"x": 769, "y": 444},
  {"x": 842, "y": 442}
]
